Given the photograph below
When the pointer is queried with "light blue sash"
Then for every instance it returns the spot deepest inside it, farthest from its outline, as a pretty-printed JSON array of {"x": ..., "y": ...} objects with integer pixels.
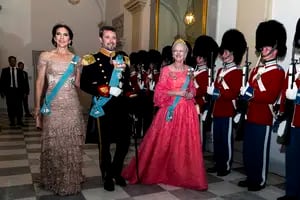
[
  {"x": 172, "y": 107},
  {"x": 99, "y": 102},
  {"x": 46, "y": 108}
]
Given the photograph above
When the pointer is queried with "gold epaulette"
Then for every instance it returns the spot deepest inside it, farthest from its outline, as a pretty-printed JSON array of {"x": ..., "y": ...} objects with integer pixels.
[
  {"x": 127, "y": 60},
  {"x": 88, "y": 59}
]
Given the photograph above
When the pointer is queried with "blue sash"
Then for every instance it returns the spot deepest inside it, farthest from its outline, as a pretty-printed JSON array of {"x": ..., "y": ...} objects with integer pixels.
[
  {"x": 171, "y": 108},
  {"x": 46, "y": 108},
  {"x": 99, "y": 102}
]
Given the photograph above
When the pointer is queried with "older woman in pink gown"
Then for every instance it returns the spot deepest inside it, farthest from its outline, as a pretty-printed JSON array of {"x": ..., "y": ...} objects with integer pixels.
[{"x": 171, "y": 150}]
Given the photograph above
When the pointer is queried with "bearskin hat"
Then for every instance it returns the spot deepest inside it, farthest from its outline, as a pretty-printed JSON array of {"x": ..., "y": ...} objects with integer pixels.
[
  {"x": 271, "y": 33},
  {"x": 154, "y": 57},
  {"x": 206, "y": 47},
  {"x": 133, "y": 58},
  {"x": 143, "y": 59},
  {"x": 166, "y": 54},
  {"x": 297, "y": 35},
  {"x": 234, "y": 41},
  {"x": 189, "y": 58}
]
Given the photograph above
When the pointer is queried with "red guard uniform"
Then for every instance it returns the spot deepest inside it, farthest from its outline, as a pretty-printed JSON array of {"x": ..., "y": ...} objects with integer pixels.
[
  {"x": 271, "y": 79},
  {"x": 201, "y": 83}
]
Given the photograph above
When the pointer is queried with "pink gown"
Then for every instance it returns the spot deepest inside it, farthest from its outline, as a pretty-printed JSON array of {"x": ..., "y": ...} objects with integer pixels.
[{"x": 171, "y": 152}]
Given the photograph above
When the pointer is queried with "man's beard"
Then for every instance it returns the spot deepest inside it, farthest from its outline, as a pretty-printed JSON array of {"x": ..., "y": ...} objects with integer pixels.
[{"x": 110, "y": 46}]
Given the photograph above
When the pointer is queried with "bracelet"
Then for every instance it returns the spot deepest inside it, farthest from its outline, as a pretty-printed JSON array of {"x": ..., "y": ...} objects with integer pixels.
[{"x": 188, "y": 95}]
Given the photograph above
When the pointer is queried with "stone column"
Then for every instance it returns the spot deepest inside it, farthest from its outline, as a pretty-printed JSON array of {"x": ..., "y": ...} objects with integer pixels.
[{"x": 135, "y": 7}]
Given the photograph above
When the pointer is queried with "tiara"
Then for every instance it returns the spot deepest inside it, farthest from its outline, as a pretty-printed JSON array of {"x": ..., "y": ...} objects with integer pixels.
[{"x": 179, "y": 41}]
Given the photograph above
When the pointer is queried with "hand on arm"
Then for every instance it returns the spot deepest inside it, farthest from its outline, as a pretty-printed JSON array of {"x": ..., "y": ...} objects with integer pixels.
[{"x": 78, "y": 74}]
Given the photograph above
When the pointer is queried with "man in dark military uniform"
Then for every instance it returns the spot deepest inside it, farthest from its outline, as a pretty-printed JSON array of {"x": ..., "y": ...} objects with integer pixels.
[{"x": 112, "y": 125}]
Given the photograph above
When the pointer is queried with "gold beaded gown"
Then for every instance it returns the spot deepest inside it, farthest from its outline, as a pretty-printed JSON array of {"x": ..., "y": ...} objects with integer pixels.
[{"x": 63, "y": 133}]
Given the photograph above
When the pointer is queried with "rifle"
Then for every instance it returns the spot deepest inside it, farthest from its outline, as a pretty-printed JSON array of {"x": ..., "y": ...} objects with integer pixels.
[
  {"x": 208, "y": 106},
  {"x": 288, "y": 113},
  {"x": 242, "y": 104}
]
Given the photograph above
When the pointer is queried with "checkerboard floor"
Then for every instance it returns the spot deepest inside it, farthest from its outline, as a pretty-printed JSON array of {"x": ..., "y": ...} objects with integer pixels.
[{"x": 19, "y": 173}]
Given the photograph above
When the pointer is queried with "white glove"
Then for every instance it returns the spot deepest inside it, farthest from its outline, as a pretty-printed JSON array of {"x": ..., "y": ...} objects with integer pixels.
[
  {"x": 139, "y": 76},
  {"x": 243, "y": 90},
  {"x": 196, "y": 84},
  {"x": 115, "y": 91},
  {"x": 291, "y": 93},
  {"x": 237, "y": 118},
  {"x": 151, "y": 85},
  {"x": 210, "y": 90},
  {"x": 120, "y": 84},
  {"x": 204, "y": 115},
  {"x": 119, "y": 75},
  {"x": 141, "y": 84},
  {"x": 150, "y": 76}
]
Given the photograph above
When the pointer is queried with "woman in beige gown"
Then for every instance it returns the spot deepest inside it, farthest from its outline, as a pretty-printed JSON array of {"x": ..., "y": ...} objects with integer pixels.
[{"x": 63, "y": 130}]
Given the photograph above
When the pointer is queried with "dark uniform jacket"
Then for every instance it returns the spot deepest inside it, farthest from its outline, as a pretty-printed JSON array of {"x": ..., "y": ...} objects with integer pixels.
[{"x": 97, "y": 71}]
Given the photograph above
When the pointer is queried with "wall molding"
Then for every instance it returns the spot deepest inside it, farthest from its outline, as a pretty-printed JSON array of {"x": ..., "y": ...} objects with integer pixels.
[{"x": 134, "y": 6}]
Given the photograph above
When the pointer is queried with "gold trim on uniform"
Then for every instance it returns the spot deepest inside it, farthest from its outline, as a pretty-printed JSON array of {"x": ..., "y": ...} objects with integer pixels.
[
  {"x": 107, "y": 52},
  {"x": 88, "y": 59},
  {"x": 127, "y": 60}
]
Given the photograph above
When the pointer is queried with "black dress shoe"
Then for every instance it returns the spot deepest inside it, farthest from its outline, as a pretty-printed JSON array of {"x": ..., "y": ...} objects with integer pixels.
[
  {"x": 285, "y": 197},
  {"x": 243, "y": 183},
  {"x": 223, "y": 173},
  {"x": 120, "y": 181},
  {"x": 255, "y": 188},
  {"x": 109, "y": 184},
  {"x": 20, "y": 124},
  {"x": 212, "y": 169}
]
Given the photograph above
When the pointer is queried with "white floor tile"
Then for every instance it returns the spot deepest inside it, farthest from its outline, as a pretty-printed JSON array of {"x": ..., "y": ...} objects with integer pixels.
[
  {"x": 271, "y": 193},
  {"x": 33, "y": 146},
  {"x": 13, "y": 163},
  {"x": 168, "y": 187},
  {"x": 91, "y": 171},
  {"x": 157, "y": 196},
  {"x": 224, "y": 188},
  {"x": 34, "y": 155},
  {"x": 101, "y": 194},
  {"x": 12, "y": 152}
]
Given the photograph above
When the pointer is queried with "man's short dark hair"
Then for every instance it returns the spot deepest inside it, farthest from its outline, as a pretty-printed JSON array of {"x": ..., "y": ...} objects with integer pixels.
[
  {"x": 11, "y": 57},
  {"x": 106, "y": 28}
]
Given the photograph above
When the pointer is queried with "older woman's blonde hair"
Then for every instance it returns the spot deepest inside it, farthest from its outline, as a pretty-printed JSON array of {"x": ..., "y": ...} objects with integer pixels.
[{"x": 180, "y": 41}]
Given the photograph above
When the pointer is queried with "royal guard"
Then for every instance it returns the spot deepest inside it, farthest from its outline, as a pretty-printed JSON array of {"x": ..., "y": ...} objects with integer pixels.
[
  {"x": 205, "y": 53},
  {"x": 134, "y": 72},
  {"x": 225, "y": 91},
  {"x": 153, "y": 76},
  {"x": 166, "y": 55},
  {"x": 290, "y": 110},
  {"x": 262, "y": 91},
  {"x": 142, "y": 77}
]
